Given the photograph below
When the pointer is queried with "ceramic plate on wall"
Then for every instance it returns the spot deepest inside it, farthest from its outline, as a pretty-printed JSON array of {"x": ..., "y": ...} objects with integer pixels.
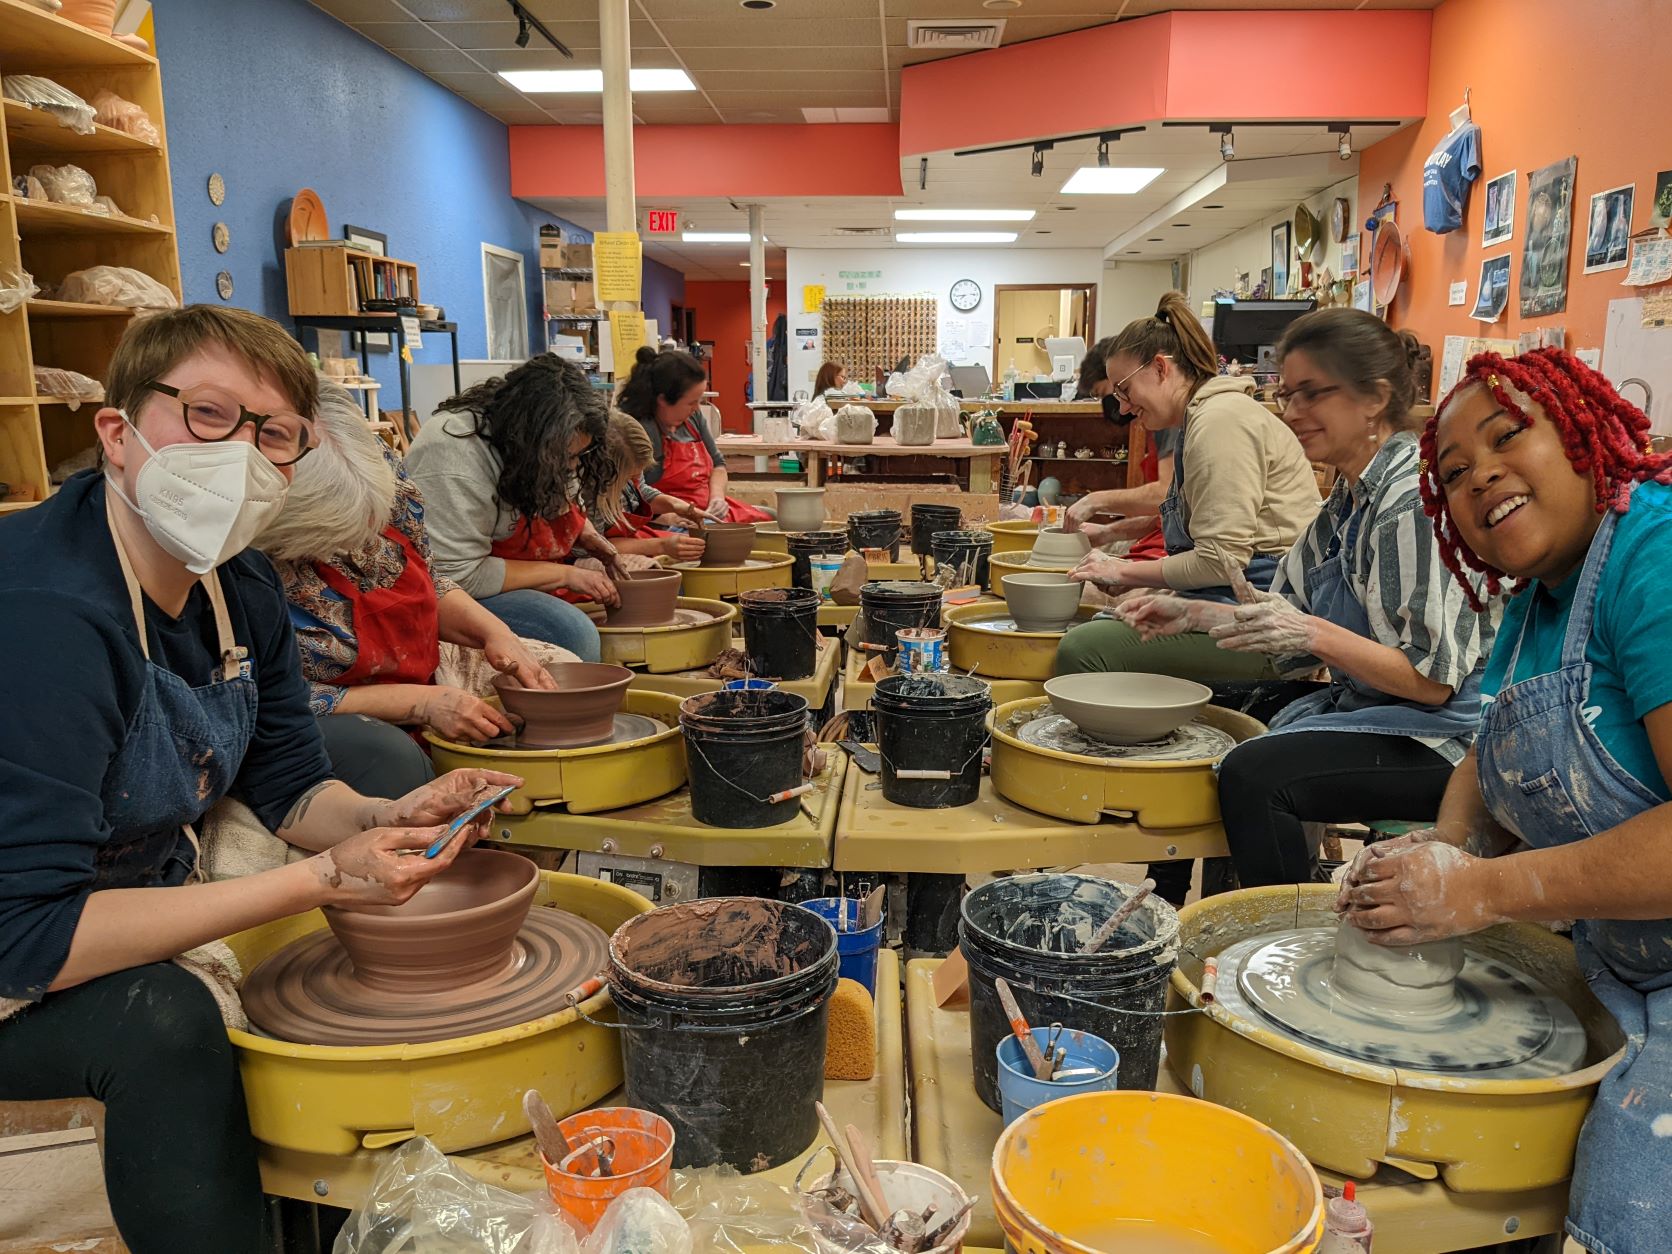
[{"x": 307, "y": 219}]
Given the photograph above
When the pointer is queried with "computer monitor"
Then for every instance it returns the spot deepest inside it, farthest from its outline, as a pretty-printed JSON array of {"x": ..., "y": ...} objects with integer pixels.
[
  {"x": 970, "y": 381},
  {"x": 1246, "y": 330},
  {"x": 1065, "y": 346}
]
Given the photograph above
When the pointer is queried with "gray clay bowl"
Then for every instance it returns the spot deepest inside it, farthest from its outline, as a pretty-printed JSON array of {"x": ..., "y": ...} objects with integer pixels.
[{"x": 1124, "y": 708}]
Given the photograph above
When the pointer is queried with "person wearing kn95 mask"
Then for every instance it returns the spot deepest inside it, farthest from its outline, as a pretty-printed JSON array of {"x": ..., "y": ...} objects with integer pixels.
[{"x": 150, "y": 671}]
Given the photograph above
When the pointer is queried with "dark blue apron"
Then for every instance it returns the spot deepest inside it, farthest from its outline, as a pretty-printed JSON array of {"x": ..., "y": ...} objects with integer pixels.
[
  {"x": 1259, "y": 572},
  {"x": 1546, "y": 776},
  {"x": 179, "y": 756}
]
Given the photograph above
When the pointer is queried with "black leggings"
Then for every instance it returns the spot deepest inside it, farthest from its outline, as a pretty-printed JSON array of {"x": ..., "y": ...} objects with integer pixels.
[
  {"x": 179, "y": 1162},
  {"x": 1269, "y": 785}
]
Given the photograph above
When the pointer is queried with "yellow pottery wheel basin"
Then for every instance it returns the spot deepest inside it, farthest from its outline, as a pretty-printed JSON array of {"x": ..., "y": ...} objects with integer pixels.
[
  {"x": 1105, "y": 1173},
  {"x": 1013, "y": 535}
]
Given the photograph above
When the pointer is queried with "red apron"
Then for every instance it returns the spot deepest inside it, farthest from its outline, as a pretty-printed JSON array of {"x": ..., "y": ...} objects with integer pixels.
[
  {"x": 686, "y": 466},
  {"x": 545, "y": 540},
  {"x": 397, "y": 630},
  {"x": 1152, "y": 547}
]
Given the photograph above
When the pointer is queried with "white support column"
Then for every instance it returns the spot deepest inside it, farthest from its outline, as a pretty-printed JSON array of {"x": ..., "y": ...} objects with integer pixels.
[
  {"x": 616, "y": 56},
  {"x": 757, "y": 303}
]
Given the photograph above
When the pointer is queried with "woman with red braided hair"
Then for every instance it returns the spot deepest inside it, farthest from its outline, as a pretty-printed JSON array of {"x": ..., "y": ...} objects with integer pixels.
[{"x": 1538, "y": 476}]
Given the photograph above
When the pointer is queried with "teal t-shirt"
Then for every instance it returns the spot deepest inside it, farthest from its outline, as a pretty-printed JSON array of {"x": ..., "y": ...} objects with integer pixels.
[{"x": 1631, "y": 635}]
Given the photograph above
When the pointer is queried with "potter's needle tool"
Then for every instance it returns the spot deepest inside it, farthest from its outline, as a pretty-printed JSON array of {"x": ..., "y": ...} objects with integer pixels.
[{"x": 1120, "y": 916}]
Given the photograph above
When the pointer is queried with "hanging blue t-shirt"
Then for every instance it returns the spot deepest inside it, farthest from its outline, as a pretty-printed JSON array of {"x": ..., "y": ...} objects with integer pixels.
[
  {"x": 1631, "y": 636},
  {"x": 1446, "y": 175}
]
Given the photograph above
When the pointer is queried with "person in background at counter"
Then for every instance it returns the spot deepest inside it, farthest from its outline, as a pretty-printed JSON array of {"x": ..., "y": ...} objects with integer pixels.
[
  {"x": 1538, "y": 474},
  {"x": 628, "y": 506},
  {"x": 1241, "y": 495},
  {"x": 663, "y": 392},
  {"x": 1364, "y": 593},
  {"x": 152, "y": 672},
  {"x": 1139, "y": 507},
  {"x": 832, "y": 378},
  {"x": 504, "y": 468},
  {"x": 353, "y": 555}
]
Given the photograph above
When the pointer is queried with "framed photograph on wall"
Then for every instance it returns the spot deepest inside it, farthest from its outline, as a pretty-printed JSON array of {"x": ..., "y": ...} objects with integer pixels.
[
  {"x": 1607, "y": 239},
  {"x": 375, "y": 242},
  {"x": 1500, "y": 210},
  {"x": 1282, "y": 244}
]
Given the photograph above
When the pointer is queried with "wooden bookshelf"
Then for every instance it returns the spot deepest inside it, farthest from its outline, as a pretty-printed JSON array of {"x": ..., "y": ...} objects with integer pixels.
[
  {"x": 337, "y": 281},
  {"x": 49, "y": 241}
]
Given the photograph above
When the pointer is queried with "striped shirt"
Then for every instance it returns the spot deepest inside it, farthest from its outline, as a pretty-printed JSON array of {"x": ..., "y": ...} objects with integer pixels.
[{"x": 1394, "y": 569}]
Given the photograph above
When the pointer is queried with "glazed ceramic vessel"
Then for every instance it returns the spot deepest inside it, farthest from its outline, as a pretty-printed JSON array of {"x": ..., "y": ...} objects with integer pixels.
[
  {"x": 1125, "y": 708},
  {"x": 800, "y": 509},
  {"x": 1059, "y": 549},
  {"x": 580, "y": 712},
  {"x": 728, "y": 544},
  {"x": 455, "y": 932},
  {"x": 1042, "y": 601},
  {"x": 648, "y": 598}
]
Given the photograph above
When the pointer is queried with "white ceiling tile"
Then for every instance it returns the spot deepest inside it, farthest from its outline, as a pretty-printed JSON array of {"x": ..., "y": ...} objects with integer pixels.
[
  {"x": 356, "y": 11},
  {"x": 456, "y": 10},
  {"x": 400, "y": 36}
]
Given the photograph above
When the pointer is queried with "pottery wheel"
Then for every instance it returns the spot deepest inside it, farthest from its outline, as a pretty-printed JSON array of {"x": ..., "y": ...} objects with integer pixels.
[
  {"x": 307, "y": 992},
  {"x": 1005, "y": 626},
  {"x": 753, "y": 563},
  {"x": 1190, "y": 743},
  {"x": 681, "y": 618},
  {"x": 627, "y": 727},
  {"x": 1503, "y": 1024}
]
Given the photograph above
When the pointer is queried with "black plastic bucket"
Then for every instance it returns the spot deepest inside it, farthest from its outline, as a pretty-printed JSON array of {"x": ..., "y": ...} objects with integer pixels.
[
  {"x": 931, "y": 723},
  {"x": 803, "y": 545},
  {"x": 875, "y": 529},
  {"x": 890, "y": 604},
  {"x": 781, "y": 631},
  {"x": 967, "y": 551},
  {"x": 742, "y": 748},
  {"x": 926, "y": 519},
  {"x": 724, "y": 1004},
  {"x": 1030, "y": 930}
]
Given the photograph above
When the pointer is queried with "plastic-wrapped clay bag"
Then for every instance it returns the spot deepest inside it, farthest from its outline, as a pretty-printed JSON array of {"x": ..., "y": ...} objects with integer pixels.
[
  {"x": 815, "y": 420},
  {"x": 67, "y": 184},
  {"x": 67, "y": 386},
  {"x": 640, "y": 1221},
  {"x": 116, "y": 285},
  {"x": 855, "y": 425},
  {"x": 16, "y": 287},
  {"x": 125, "y": 116},
  {"x": 42, "y": 93},
  {"x": 419, "y": 1203}
]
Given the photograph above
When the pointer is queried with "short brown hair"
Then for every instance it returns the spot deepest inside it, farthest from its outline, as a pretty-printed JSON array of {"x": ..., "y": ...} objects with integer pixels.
[{"x": 154, "y": 345}]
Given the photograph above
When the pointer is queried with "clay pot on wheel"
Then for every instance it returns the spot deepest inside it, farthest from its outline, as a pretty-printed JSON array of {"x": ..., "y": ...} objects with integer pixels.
[
  {"x": 454, "y": 932},
  {"x": 1057, "y": 548},
  {"x": 581, "y": 712},
  {"x": 1046, "y": 601},
  {"x": 648, "y": 598},
  {"x": 800, "y": 509},
  {"x": 728, "y": 544},
  {"x": 1127, "y": 708}
]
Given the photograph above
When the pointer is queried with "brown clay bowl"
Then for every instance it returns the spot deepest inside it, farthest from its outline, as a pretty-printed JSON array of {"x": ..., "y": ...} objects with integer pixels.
[
  {"x": 1127, "y": 708},
  {"x": 728, "y": 544},
  {"x": 453, "y": 932},
  {"x": 581, "y": 712},
  {"x": 648, "y": 599}
]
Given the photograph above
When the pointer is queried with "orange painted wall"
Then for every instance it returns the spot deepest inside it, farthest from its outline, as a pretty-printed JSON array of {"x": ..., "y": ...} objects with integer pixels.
[
  {"x": 1550, "y": 79},
  {"x": 723, "y": 318}
]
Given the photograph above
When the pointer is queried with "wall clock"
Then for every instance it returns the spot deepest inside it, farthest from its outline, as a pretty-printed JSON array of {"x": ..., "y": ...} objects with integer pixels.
[{"x": 965, "y": 295}]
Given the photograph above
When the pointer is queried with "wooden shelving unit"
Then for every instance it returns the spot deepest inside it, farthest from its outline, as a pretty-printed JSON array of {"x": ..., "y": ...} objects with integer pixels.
[
  {"x": 337, "y": 280},
  {"x": 50, "y": 241}
]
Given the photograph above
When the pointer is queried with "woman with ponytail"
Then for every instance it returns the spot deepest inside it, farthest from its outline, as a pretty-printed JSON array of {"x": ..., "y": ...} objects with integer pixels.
[
  {"x": 1539, "y": 478},
  {"x": 663, "y": 392}
]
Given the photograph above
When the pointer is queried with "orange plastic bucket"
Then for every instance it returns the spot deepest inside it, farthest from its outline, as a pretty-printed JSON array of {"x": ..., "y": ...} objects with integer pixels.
[{"x": 640, "y": 1146}]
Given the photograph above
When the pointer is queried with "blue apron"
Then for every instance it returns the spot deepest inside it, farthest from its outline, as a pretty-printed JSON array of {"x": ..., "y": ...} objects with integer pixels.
[
  {"x": 1259, "y": 572},
  {"x": 1350, "y": 706},
  {"x": 179, "y": 755},
  {"x": 1547, "y": 777}
]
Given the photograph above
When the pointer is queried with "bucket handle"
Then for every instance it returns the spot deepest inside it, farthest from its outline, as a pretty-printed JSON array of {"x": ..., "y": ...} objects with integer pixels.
[
  {"x": 733, "y": 784},
  {"x": 663, "y": 1021},
  {"x": 836, "y": 1164}
]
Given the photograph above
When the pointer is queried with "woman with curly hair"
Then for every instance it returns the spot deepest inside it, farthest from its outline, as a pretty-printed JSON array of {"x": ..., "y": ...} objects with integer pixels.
[
  {"x": 505, "y": 469},
  {"x": 1537, "y": 475}
]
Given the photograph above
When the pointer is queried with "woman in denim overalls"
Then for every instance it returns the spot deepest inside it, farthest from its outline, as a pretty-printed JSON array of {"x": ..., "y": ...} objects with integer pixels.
[{"x": 1537, "y": 472}]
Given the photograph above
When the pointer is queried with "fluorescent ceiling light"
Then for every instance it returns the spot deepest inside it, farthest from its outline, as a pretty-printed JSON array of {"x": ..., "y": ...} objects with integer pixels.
[
  {"x": 963, "y": 215},
  {"x": 581, "y": 82},
  {"x": 1091, "y": 180},
  {"x": 956, "y": 237},
  {"x": 715, "y": 237}
]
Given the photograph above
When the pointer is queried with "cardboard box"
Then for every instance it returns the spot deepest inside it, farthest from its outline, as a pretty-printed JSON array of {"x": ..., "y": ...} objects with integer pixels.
[
  {"x": 552, "y": 255},
  {"x": 579, "y": 256},
  {"x": 556, "y": 255},
  {"x": 569, "y": 296}
]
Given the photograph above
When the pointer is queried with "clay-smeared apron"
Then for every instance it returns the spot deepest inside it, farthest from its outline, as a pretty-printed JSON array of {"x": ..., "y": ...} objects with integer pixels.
[
  {"x": 1260, "y": 570},
  {"x": 545, "y": 540},
  {"x": 686, "y": 466},
  {"x": 1547, "y": 777},
  {"x": 397, "y": 630}
]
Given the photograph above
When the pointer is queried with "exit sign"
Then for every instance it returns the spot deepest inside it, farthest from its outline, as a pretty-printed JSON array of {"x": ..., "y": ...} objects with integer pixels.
[{"x": 661, "y": 221}]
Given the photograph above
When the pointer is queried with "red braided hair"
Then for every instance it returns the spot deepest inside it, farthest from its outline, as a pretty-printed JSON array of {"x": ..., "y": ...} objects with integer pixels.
[{"x": 1604, "y": 436}]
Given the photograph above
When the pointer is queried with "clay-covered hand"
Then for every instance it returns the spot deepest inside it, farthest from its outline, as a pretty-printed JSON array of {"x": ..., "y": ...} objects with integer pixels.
[
  {"x": 508, "y": 655},
  {"x": 381, "y": 867},
  {"x": 1102, "y": 570},
  {"x": 1424, "y": 891},
  {"x": 460, "y": 715},
  {"x": 1354, "y": 874},
  {"x": 1078, "y": 514},
  {"x": 683, "y": 548},
  {"x": 718, "y": 510},
  {"x": 1272, "y": 624},
  {"x": 591, "y": 583},
  {"x": 442, "y": 800},
  {"x": 610, "y": 558},
  {"x": 1154, "y": 615}
]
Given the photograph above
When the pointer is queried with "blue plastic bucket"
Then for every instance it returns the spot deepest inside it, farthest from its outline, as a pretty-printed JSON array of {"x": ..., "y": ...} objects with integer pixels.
[
  {"x": 1020, "y": 1092},
  {"x": 856, "y": 949}
]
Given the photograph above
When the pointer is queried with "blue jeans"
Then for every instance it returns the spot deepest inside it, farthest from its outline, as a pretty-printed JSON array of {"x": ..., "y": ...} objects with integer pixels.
[{"x": 541, "y": 616}]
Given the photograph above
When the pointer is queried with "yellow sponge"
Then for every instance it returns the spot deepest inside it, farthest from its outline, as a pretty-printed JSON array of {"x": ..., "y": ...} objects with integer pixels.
[{"x": 850, "y": 1051}]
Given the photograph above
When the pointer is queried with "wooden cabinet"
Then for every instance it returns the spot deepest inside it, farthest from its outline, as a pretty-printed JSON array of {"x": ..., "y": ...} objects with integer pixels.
[{"x": 339, "y": 281}]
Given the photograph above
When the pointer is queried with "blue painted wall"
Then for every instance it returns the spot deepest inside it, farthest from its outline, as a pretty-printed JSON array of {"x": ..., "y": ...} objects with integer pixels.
[
  {"x": 276, "y": 96},
  {"x": 661, "y": 288}
]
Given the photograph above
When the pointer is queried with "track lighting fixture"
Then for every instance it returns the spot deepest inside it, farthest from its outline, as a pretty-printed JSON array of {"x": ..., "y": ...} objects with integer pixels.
[
  {"x": 1038, "y": 161},
  {"x": 1345, "y": 147},
  {"x": 1103, "y": 154},
  {"x": 1227, "y": 144},
  {"x": 522, "y": 31}
]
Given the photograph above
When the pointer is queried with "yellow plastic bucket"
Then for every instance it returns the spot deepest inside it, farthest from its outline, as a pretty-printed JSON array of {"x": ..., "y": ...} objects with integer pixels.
[{"x": 1131, "y": 1171}]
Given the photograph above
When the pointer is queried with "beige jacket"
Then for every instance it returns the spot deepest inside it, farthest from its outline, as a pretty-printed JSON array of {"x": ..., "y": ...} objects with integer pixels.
[{"x": 1248, "y": 488}]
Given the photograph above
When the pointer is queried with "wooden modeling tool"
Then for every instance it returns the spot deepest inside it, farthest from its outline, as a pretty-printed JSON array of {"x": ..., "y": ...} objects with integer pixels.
[
  {"x": 870, "y": 1208},
  {"x": 554, "y": 1146},
  {"x": 1120, "y": 916},
  {"x": 867, "y": 1165},
  {"x": 1019, "y": 1025}
]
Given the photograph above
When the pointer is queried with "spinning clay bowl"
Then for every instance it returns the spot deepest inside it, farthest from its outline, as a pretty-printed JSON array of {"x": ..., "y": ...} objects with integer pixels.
[
  {"x": 455, "y": 930},
  {"x": 1127, "y": 709},
  {"x": 727, "y": 544},
  {"x": 1047, "y": 601},
  {"x": 1058, "y": 548},
  {"x": 580, "y": 712},
  {"x": 648, "y": 598}
]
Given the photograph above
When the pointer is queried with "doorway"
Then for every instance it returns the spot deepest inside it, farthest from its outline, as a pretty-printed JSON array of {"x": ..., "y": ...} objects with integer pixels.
[{"x": 1025, "y": 315}]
